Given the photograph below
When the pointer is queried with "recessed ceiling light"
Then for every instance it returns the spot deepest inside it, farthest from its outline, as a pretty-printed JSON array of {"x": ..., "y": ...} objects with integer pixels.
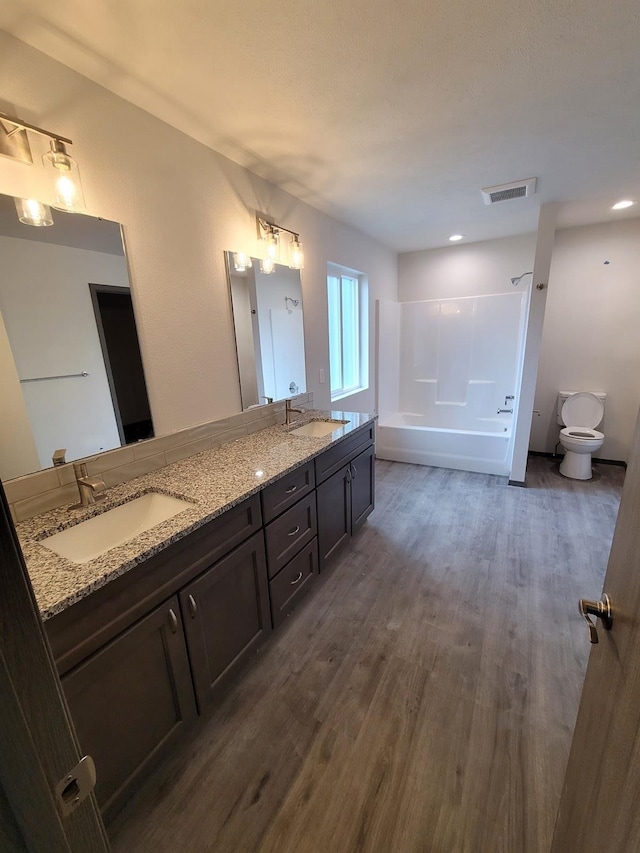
[
  {"x": 455, "y": 237},
  {"x": 620, "y": 205}
]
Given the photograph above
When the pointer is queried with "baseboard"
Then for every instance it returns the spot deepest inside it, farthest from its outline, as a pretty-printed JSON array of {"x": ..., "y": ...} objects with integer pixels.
[
  {"x": 518, "y": 483},
  {"x": 561, "y": 456}
]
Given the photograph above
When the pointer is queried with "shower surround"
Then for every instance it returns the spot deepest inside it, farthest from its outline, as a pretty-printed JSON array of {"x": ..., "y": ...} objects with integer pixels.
[{"x": 448, "y": 374}]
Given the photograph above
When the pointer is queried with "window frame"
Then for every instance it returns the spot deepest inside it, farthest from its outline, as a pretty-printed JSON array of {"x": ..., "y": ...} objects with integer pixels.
[{"x": 361, "y": 330}]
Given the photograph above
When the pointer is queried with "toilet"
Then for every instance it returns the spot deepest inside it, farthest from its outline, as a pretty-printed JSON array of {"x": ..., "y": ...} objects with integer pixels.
[{"x": 580, "y": 412}]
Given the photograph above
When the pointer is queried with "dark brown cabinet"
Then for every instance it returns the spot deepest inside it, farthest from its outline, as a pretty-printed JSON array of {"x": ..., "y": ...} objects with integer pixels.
[
  {"x": 139, "y": 656},
  {"x": 292, "y": 582},
  {"x": 130, "y": 701},
  {"x": 345, "y": 500},
  {"x": 226, "y": 616},
  {"x": 362, "y": 487}
]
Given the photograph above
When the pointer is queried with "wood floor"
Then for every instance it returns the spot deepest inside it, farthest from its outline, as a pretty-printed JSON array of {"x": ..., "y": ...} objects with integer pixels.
[{"x": 423, "y": 699}]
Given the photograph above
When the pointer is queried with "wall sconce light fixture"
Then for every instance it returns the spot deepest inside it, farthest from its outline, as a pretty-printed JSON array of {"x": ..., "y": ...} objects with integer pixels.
[
  {"x": 61, "y": 168},
  {"x": 267, "y": 266},
  {"x": 241, "y": 261},
  {"x": 269, "y": 239},
  {"x": 32, "y": 212}
]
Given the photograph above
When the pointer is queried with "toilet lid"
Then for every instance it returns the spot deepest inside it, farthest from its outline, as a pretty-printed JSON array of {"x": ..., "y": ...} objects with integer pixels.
[{"x": 582, "y": 410}]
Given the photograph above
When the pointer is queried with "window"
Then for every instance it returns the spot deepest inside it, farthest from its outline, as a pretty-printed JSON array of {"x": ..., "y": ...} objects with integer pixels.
[{"x": 348, "y": 333}]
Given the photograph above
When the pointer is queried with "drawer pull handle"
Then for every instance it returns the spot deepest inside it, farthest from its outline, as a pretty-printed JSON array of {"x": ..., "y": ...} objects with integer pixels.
[
  {"x": 193, "y": 607},
  {"x": 295, "y": 530},
  {"x": 297, "y": 580},
  {"x": 173, "y": 621},
  {"x": 291, "y": 490}
]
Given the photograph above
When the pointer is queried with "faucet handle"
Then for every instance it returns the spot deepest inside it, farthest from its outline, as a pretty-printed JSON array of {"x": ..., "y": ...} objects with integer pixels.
[{"x": 80, "y": 469}]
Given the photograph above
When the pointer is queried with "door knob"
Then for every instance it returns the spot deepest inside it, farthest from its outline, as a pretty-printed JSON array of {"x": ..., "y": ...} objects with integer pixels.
[{"x": 601, "y": 610}]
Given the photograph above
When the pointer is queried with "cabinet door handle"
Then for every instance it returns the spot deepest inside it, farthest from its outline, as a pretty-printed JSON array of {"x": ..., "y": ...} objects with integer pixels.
[
  {"x": 348, "y": 474},
  {"x": 173, "y": 621},
  {"x": 295, "y": 530},
  {"x": 297, "y": 580},
  {"x": 193, "y": 607},
  {"x": 291, "y": 490},
  {"x": 354, "y": 471}
]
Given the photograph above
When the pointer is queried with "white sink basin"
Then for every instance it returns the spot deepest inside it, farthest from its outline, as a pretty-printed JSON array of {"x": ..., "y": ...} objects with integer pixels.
[
  {"x": 95, "y": 536},
  {"x": 318, "y": 429}
]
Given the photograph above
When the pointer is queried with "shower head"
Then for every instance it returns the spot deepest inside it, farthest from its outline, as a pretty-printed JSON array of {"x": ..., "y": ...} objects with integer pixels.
[{"x": 516, "y": 281}]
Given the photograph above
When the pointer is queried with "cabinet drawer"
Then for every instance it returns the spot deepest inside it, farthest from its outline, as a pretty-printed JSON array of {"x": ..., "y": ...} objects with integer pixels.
[
  {"x": 290, "y": 532},
  {"x": 285, "y": 492},
  {"x": 333, "y": 459},
  {"x": 293, "y": 581}
]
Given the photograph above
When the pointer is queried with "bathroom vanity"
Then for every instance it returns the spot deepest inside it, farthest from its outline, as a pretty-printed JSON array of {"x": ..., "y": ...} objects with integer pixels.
[{"x": 147, "y": 635}]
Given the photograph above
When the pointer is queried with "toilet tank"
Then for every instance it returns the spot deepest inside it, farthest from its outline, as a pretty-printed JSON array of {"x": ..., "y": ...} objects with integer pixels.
[{"x": 562, "y": 396}]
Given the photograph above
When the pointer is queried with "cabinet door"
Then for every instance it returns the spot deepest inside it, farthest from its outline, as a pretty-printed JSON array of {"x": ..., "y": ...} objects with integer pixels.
[
  {"x": 362, "y": 487},
  {"x": 131, "y": 700},
  {"x": 334, "y": 514},
  {"x": 226, "y": 615}
]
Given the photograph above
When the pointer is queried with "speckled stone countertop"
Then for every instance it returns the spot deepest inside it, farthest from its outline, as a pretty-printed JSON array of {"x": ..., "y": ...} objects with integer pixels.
[{"x": 213, "y": 481}]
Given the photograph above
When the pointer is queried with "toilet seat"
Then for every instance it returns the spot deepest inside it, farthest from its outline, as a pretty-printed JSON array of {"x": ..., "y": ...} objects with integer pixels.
[
  {"x": 582, "y": 433},
  {"x": 582, "y": 410}
]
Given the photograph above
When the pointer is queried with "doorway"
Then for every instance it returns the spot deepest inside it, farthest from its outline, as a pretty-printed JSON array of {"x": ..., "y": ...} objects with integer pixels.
[{"x": 116, "y": 324}]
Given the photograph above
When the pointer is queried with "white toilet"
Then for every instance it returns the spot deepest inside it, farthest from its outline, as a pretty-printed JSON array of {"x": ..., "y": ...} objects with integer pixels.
[{"x": 581, "y": 412}]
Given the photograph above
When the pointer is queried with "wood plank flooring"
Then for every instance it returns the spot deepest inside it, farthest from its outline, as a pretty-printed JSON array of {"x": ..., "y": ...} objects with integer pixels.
[{"x": 422, "y": 699}]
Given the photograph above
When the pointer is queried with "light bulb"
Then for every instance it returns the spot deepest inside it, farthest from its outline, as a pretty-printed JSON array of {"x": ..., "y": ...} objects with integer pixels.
[
  {"x": 32, "y": 212},
  {"x": 296, "y": 255},
  {"x": 267, "y": 266},
  {"x": 65, "y": 176},
  {"x": 272, "y": 246},
  {"x": 241, "y": 261}
]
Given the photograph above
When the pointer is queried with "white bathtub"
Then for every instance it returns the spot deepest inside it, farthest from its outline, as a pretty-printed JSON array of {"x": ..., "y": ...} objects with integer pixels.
[{"x": 403, "y": 437}]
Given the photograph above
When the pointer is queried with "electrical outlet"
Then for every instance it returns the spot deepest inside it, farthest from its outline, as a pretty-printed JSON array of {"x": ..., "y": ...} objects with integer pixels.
[{"x": 321, "y": 375}]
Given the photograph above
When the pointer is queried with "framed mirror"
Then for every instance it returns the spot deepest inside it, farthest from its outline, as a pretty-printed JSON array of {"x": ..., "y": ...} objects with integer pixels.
[
  {"x": 269, "y": 330},
  {"x": 71, "y": 375}
]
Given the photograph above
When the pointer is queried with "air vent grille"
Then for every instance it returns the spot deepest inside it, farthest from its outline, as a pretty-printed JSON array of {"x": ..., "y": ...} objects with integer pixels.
[{"x": 507, "y": 192}]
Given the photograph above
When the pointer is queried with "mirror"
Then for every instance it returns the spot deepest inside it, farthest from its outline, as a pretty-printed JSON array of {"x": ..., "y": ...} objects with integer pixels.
[
  {"x": 70, "y": 368},
  {"x": 269, "y": 329}
]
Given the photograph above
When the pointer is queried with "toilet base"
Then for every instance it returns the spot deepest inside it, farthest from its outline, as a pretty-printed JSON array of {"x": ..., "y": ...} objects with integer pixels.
[{"x": 576, "y": 466}]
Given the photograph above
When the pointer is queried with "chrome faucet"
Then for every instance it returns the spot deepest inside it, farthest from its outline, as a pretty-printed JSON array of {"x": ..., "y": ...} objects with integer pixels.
[
  {"x": 91, "y": 489},
  {"x": 505, "y": 411},
  {"x": 288, "y": 411}
]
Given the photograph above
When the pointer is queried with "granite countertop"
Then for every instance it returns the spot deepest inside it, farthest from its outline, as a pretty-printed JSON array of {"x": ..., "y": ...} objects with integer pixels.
[{"x": 213, "y": 481}]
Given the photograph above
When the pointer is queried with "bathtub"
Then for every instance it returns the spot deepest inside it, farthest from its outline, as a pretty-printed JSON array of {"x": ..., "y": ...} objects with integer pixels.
[{"x": 486, "y": 449}]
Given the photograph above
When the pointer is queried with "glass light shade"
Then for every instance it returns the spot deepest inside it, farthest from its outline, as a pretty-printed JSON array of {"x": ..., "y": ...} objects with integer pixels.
[
  {"x": 32, "y": 212},
  {"x": 267, "y": 266},
  {"x": 241, "y": 261},
  {"x": 271, "y": 246},
  {"x": 64, "y": 175},
  {"x": 296, "y": 255}
]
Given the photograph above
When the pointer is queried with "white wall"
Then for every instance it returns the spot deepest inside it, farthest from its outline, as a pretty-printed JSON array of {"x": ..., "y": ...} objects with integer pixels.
[
  {"x": 181, "y": 206},
  {"x": 47, "y": 309},
  {"x": 466, "y": 269},
  {"x": 591, "y": 336},
  {"x": 281, "y": 332},
  {"x": 18, "y": 453}
]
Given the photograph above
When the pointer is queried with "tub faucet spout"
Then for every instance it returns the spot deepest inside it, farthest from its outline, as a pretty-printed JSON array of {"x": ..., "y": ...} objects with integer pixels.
[{"x": 505, "y": 411}]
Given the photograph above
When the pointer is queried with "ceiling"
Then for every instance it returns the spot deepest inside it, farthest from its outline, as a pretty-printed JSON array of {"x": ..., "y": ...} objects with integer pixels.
[{"x": 388, "y": 115}]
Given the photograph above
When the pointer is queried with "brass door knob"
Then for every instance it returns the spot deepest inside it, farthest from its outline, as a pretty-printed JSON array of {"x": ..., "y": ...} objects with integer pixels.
[{"x": 601, "y": 610}]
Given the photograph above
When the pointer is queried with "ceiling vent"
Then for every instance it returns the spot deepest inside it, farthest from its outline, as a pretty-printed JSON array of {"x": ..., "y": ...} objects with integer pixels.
[{"x": 507, "y": 192}]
